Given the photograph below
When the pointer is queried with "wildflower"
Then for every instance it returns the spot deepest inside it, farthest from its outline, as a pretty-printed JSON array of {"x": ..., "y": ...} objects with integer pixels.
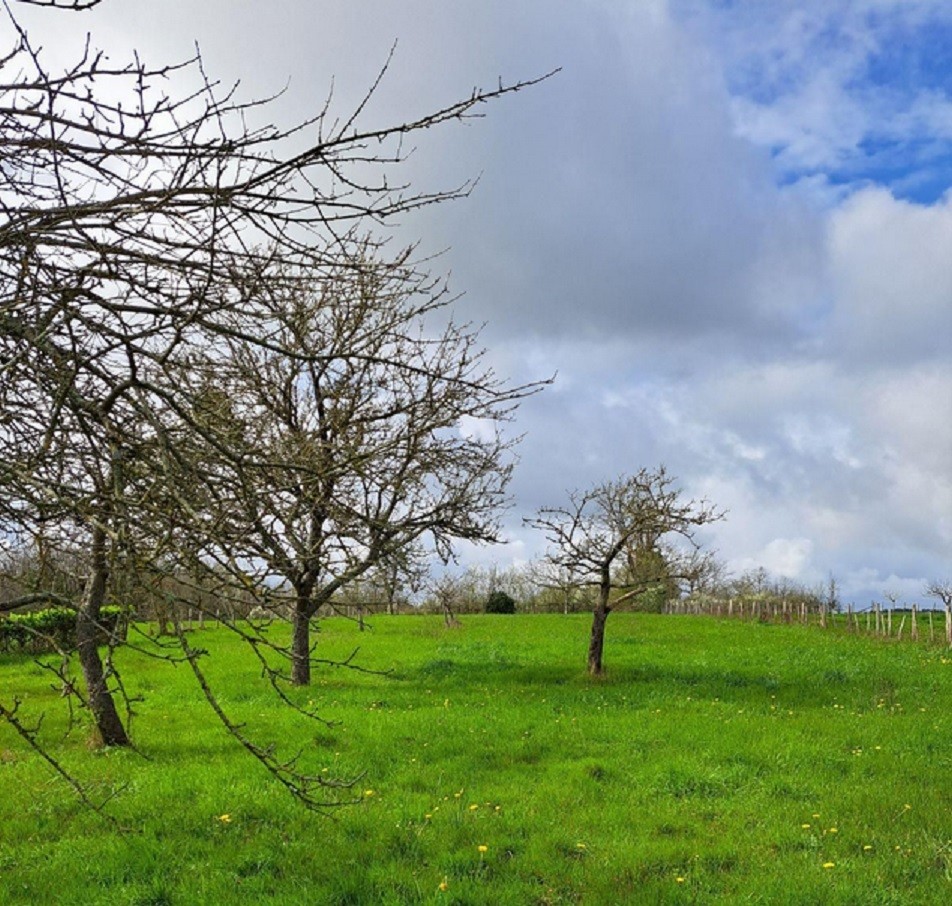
[
  {"x": 368, "y": 793},
  {"x": 473, "y": 807},
  {"x": 225, "y": 819},
  {"x": 829, "y": 865},
  {"x": 427, "y": 816},
  {"x": 482, "y": 848},
  {"x": 805, "y": 826},
  {"x": 867, "y": 848},
  {"x": 679, "y": 879},
  {"x": 833, "y": 830},
  {"x": 580, "y": 846},
  {"x": 444, "y": 885}
]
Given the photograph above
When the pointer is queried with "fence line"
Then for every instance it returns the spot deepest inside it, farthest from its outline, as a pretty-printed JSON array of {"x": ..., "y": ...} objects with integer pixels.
[{"x": 874, "y": 620}]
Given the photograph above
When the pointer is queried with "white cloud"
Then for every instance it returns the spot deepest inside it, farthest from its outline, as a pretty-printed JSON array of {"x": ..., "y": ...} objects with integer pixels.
[{"x": 891, "y": 270}]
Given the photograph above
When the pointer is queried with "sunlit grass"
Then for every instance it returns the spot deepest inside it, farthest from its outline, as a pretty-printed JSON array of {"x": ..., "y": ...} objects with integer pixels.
[{"x": 716, "y": 761}]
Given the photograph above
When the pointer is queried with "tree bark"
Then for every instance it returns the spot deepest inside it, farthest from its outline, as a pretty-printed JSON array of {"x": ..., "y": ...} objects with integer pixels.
[
  {"x": 301, "y": 644},
  {"x": 597, "y": 641},
  {"x": 101, "y": 703}
]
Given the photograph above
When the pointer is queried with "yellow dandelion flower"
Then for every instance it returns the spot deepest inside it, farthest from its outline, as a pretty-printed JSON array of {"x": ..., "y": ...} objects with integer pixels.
[
  {"x": 580, "y": 846},
  {"x": 225, "y": 819},
  {"x": 805, "y": 826},
  {"x": 867, "y": 848},
  {"x": 482, "y": 848},
  {"x": 427, "y": 816},
  {"x": 679, "y": 879},
  {"x": 444, "y": 885},
  {"x": 829, "y": 865},
  {"x": 368, "y": 793},
  {"x": 473, "y": 807},
  {"x": 833, "y": 830}
]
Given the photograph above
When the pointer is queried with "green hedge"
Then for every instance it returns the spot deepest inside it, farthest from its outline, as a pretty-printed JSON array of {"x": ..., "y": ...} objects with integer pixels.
[{"x": 44, "y": 631}]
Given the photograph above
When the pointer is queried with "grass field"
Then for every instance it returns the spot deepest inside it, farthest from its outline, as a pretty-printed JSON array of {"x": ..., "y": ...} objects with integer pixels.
[{"x": 715, "y": 762}]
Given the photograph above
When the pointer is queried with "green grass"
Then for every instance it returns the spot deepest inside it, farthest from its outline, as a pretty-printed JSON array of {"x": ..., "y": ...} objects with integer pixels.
[{"x": 722, "y": 754}]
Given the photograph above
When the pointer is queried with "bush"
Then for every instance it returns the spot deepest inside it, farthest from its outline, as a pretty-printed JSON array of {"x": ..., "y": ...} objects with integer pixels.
[
  {"x": 500, "y": 602},
  {"x": 45, "y": 631}
]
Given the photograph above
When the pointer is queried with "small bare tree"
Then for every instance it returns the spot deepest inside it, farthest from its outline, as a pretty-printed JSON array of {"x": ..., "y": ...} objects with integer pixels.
[
  {"x": 942, "y": 591},
  {"x": 607, "y": 526}
]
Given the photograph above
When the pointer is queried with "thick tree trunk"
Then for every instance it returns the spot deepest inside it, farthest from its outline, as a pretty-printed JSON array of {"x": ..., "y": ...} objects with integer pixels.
[
  {"x": 101, "y": 703},
  {"x": 301, "y": 645},
  {"x": 597, "y": 641}
]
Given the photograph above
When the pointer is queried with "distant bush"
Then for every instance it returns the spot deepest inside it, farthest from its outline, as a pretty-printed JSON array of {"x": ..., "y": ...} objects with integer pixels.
[
  {"x": 500, "y": 602},
  {"x": 45, "y": 631}
]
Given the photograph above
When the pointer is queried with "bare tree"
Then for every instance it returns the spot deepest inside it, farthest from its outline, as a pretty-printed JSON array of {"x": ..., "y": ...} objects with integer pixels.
[
  {"x": 144, "y": 222},
  {"x": 942, "y": 592},
  {"x": 610, "y": 524},
  {"x": 448, "y": 591},
  {"x": 368, "y": 432}
]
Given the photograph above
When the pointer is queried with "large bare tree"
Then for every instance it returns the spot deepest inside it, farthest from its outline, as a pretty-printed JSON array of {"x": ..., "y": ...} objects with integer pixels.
[
  {"x": 598, "y": 537},
  {"x": 363, "y": 428},
  {"x": 144, "y": 222}
]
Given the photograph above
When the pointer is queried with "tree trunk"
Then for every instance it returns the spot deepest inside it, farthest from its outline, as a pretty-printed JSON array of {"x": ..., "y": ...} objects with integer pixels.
[
  {"x": 101, "y": 703},
  {"x": 301, "y": 645},
  {"x": 448, "y": 617},
  {"x": 597, "y": 642}
]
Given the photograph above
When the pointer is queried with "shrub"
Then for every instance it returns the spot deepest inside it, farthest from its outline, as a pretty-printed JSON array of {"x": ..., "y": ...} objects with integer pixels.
[
  {"x": 500, "y": 602},
  {"x": 45, "y": 631}
]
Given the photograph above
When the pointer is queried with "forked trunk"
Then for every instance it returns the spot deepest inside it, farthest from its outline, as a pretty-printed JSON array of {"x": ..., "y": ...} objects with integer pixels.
[{"x": 101, "y": 703}]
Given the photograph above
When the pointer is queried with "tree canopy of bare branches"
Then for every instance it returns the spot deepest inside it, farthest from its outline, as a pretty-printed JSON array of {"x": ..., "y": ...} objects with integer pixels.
[{"x": 362, "y": 429}]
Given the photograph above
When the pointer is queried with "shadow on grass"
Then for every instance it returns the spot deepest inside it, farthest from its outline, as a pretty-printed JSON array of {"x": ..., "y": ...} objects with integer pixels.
[{"x": 728, "y": 685}]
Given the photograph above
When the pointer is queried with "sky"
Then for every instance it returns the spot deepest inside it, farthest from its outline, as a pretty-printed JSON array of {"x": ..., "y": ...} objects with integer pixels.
[{"x": 726, "y": 227}]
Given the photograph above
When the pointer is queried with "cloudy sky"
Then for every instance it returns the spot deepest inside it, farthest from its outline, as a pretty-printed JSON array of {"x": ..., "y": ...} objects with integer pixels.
[{"x": 726, "y": 226}]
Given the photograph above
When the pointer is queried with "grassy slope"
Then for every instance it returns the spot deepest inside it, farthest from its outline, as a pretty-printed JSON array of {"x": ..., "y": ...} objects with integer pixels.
[{"x": 718, "y": 753}]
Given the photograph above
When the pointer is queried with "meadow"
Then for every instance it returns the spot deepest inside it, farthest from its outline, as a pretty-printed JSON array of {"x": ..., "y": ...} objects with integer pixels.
[{"x": 716, "y": 761}]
